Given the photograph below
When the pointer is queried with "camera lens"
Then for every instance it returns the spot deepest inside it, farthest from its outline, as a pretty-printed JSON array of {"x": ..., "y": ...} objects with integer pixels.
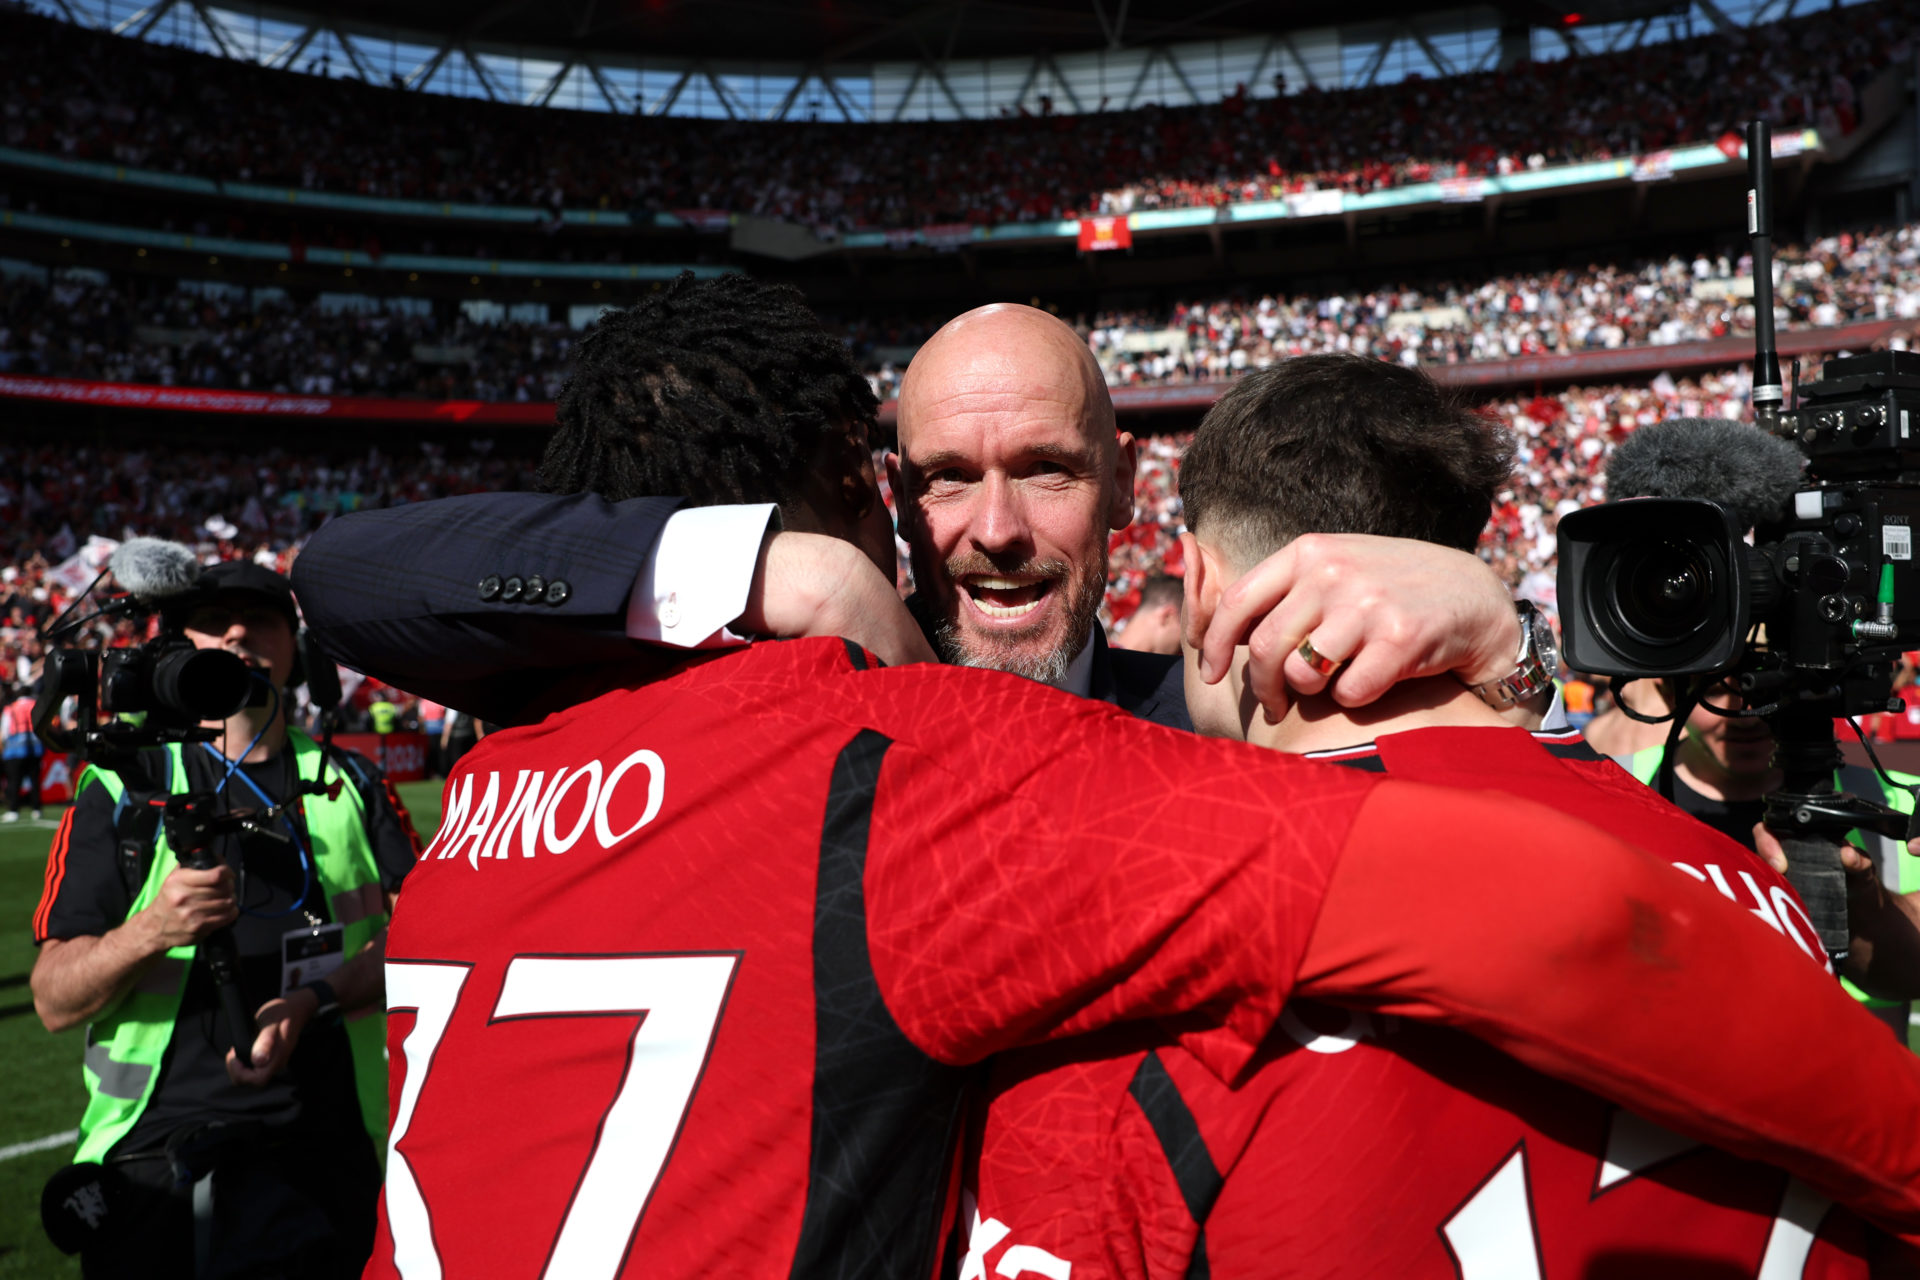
[
  {"x": 1663, "y": 590},
  {"x": 200, "y": 684},
  {"x": 1655, "y": 586}
]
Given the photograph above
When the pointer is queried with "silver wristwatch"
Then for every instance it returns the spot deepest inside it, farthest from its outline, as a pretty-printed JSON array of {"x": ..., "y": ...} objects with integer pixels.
[{"x": 1533, "y": 670}]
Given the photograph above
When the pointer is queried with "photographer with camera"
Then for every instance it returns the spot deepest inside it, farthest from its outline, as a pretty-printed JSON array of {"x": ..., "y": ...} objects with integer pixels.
[{"x": 195, "y": 1159}]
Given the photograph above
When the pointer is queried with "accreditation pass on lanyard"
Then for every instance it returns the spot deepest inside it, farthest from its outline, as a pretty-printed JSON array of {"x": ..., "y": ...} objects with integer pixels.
[{"x": 310, "y": 953}]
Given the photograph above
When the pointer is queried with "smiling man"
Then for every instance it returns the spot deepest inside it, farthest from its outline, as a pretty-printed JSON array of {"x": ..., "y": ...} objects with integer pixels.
[{"x": 1014, "y": 474}]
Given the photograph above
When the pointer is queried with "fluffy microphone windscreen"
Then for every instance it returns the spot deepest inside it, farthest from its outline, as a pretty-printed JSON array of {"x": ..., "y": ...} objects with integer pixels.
[
  {"x": 153, "y": 569},
  {"x": 1738, "y": 466}
]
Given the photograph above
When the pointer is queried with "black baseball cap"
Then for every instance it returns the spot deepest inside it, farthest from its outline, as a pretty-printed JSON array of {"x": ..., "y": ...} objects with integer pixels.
[{"x": 230, "y": 578}]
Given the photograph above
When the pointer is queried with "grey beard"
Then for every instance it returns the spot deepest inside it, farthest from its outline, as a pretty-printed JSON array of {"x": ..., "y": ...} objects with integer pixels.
[{"x": 1050, "y": 668}]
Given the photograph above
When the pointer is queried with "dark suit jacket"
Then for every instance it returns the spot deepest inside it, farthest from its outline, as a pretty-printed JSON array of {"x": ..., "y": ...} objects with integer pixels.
[
  {"x": 1151, "y": 686},
  {"x": 398, "y": 594}
]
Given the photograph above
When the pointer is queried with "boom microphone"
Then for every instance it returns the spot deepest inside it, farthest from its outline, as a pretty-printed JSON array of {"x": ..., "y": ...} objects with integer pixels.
[
  {"x": 1750, "y": 473},
  {"x": 153, "y": 568}
]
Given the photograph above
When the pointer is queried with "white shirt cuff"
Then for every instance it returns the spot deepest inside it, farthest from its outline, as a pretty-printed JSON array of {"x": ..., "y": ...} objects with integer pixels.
[
  {"x": 1555, "y": 721},
  {"x": 697, "y": 579}
]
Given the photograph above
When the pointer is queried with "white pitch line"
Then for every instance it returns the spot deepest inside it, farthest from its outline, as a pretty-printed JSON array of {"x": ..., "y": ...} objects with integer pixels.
[{"x": 47, "y": 1143}]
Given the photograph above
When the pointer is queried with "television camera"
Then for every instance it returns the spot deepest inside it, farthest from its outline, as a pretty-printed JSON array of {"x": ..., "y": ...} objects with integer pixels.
[{"x": 1808, "y": 621}]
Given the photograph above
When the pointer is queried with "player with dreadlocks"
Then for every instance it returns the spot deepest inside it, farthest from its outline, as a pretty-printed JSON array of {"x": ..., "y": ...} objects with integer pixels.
[
  {"x": 778, "y": 901},
  {"x": 724, "y": 390}
]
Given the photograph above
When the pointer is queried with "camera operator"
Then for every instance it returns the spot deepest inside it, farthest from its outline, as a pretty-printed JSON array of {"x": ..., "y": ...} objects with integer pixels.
[
  {"x": 1724, "y": 766},
  {"x": 222, "y": 1168},
  {"x": 1722, "y": 773}
]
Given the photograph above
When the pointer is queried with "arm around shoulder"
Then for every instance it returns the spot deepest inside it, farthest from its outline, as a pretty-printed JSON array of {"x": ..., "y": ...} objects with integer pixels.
[{"x": 439, "y": 597}]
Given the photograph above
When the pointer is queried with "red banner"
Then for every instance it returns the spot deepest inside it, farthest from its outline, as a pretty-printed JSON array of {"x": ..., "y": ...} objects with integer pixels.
[
  {"x": 1105, "y": 233},
  {"x": 123, "y": 395},
  {"x": 402, "y": 756}
]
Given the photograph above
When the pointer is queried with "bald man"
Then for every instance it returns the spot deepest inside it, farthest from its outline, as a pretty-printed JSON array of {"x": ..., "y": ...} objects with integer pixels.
[{"x": 1010, "y": 478}]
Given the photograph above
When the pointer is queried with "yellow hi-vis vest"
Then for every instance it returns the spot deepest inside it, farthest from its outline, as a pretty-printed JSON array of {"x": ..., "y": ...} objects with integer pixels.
[
  {"x": 1899, "y": 871},
  {"x": 127, "y": 1044}
]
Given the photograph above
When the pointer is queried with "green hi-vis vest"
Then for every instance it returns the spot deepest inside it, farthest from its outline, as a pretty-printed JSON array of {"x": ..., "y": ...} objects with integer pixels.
[
  {"x": 1900, "y": 872},
  {"x": 127, "y": 1044}
]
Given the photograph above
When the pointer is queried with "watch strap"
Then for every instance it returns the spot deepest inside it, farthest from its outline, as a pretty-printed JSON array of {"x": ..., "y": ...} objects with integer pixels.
[
  {"x": 1530, "y": 675},
  {"x": 328, "y": 1002}
]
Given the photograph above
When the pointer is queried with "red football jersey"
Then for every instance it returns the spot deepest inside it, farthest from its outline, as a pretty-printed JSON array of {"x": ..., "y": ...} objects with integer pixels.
[
  {"x": 688, "y": 983},
  {"x": 1367, "y": 1145}
]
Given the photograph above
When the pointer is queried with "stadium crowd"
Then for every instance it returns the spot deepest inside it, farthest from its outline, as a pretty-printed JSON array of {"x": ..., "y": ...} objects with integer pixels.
[
  {"x": 145, "y": 105},
  {"x": 1655, "y": 302},
  {"x": 231, "y": 505},
  {"x": 1563, "y": 442},
  {"x": 76, "y": 326}
]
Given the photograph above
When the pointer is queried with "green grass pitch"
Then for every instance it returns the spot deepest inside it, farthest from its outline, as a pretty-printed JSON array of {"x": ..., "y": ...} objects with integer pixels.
[{"x": 40, "y": 1090}]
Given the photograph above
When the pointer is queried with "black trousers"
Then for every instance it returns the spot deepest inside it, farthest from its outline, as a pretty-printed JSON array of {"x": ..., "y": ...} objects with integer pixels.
[
  {"x": 27, "y": 770},
  {"x": 294, "y": 1206}
]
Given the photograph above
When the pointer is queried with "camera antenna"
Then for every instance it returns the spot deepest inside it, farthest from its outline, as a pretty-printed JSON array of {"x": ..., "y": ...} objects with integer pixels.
[{"x": 1767, "y": 392}]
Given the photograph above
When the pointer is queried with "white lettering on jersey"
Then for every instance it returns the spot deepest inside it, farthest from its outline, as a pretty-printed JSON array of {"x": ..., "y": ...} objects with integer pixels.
[
  {"x": 1775, "y": 908},
  {"x": 656, "y": 790},
  {"x": 1024, "y": 1258},
  {"x": 459, "y": 799},
  {"x": 554, "y": 843},
  {"x": 983, "y": 1236},
  {"x": 487, "y": 829}
]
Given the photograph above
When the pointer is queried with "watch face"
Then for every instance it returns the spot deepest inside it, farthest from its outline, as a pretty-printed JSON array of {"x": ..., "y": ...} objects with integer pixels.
[{"x": 1545, "y": 647}]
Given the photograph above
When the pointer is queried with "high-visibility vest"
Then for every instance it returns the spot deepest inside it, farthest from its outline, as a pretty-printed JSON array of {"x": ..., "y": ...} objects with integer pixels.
[
  {"x": 1899, "y": 870},
  {"x": 127, "y": 1043}
]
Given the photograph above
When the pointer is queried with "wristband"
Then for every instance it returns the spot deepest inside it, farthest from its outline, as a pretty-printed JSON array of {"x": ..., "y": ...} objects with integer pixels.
[{"x": 322, "y": 992}]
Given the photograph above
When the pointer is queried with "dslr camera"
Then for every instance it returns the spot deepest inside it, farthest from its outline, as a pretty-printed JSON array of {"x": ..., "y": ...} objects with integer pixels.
[{"x": 1807, "y": 621}]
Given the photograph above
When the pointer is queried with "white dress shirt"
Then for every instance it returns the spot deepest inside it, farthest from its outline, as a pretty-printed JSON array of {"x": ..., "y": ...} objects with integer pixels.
[{"x": 697, "y": 579}]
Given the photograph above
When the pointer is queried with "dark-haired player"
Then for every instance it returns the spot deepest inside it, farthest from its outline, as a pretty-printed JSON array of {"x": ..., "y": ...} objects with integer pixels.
[
  {"x": 745, "y": 925},
  {"x": 1356, "y": 1143}
]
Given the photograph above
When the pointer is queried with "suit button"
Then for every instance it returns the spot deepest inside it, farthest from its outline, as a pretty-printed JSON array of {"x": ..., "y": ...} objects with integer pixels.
[
  {"x": 510, "y": 589},
  {"x": 490, "y": 587},
  {"x": 536, "y": 588},
  {"x": 558, "y": 591}
]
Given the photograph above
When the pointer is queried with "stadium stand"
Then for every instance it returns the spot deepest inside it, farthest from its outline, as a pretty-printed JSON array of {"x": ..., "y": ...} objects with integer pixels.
[
  {"x": 146, "y": 106},
  {"x": 222, "y": 337}
]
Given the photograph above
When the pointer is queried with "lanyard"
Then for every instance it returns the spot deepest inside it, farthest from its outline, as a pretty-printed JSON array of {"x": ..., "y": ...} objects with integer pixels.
[{"x": 306, "y": 864}]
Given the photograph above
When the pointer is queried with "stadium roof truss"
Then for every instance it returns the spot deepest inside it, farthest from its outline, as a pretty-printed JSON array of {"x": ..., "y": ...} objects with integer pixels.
[{"x": 1128, "y": 63}]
